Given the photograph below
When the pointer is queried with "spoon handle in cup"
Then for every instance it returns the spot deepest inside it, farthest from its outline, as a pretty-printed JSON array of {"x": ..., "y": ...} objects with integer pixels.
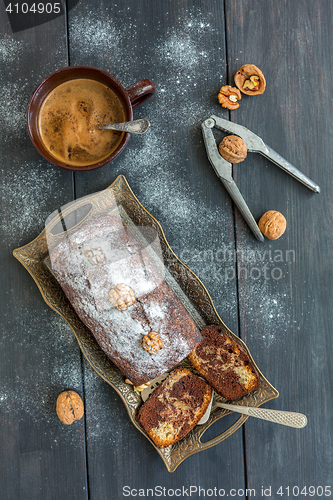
[{"x": 134, "y": 127}]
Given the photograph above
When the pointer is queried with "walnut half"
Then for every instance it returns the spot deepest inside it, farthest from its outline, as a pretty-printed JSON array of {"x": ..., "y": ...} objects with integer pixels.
[
  {"x": 121, "y": 297},
  {"x": 250, "y": 80},
  {"x": 152, "y": 343}
]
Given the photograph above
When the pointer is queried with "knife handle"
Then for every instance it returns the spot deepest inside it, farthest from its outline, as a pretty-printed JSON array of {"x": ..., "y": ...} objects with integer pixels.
[{"x": 289, "y": 418}]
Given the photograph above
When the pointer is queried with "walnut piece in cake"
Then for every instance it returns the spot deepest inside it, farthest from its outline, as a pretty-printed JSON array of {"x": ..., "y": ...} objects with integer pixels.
[
  {"x": 138, "y": 388},
  {"x": 121, "y": 297},
  {"x": 95, "y": 256},
  {"x": 152, "y": 344}
]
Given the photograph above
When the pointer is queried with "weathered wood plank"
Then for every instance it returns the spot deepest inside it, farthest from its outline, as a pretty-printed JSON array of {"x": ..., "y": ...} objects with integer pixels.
[
  {"x": 285, "y": 314},
  {"x": 40, "y": 457}
]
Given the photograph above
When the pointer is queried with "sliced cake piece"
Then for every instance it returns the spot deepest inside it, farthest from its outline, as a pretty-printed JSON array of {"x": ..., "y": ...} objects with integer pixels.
[
  {"x": 224, "y": 364},
  {"x": 175, "y": 407}
]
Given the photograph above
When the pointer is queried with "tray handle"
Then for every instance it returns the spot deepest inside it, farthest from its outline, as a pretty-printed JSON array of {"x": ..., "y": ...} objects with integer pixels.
[{"x": 224, "y": 435}]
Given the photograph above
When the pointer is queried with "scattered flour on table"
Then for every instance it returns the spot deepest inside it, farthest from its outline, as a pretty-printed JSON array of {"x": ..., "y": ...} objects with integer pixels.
[
  {"x": 10, "y": 49},
  {"x": 106, "y": 41},
  {"x": 16, "y": 87},
  {"x": 14, "y": 100},
  {"x": 13, "y": 113},
  {"x": 29, "y": 190},
  {"x": 56, "y": 362},
  {"x": 14, "y": 95},
  {"x": 270, "y": 310}
]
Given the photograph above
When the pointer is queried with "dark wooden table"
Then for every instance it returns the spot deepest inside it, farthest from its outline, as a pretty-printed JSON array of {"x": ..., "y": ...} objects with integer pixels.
[{"x": 277, "y": 296}]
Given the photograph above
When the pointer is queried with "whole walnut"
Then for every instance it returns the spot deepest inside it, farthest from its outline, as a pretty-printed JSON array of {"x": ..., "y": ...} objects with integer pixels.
[
  {"x": 272, "y": 224},
  {"x": 233, "y": 149},
  {"x": 69, "y": 407}
]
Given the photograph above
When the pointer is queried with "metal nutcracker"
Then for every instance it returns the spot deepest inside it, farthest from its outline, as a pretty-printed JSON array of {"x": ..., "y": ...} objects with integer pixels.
[{"x": 254, "y": 144}]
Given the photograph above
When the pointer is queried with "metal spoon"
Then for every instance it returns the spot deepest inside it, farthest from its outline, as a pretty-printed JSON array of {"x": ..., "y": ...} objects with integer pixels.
[
  {"x": 289, "y": 418},
  {"x": 134, "y": 127}
]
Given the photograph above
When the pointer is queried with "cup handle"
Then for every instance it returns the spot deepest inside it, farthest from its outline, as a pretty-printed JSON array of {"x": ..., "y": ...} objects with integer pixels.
[{"x": 140, "y": 91}]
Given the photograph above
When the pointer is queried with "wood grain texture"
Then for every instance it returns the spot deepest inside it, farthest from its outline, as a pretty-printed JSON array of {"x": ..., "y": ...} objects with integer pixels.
[
  {"x": 285, "y": 321},
  {"x": 40, "y": 457},
  {"x": 276, "y": 295}
]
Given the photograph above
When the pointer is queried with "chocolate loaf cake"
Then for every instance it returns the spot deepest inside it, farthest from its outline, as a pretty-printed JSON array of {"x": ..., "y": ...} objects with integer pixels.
[
  {"x": 224, "y": 364},
  {"x": 120, "y": 295},
  {"x": 175, "y": 407}
]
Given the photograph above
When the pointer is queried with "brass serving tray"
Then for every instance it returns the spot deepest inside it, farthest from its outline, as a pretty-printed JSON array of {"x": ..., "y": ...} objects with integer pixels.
[{"x": 196, "y": 299}]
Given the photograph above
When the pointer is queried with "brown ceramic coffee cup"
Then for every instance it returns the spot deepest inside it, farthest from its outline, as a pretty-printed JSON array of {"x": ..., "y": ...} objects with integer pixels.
[{"x": 129, "y": 98}]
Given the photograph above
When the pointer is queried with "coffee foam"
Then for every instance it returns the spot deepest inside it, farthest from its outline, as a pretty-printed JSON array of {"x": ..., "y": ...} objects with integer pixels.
[{"x": 70, "y": 117}]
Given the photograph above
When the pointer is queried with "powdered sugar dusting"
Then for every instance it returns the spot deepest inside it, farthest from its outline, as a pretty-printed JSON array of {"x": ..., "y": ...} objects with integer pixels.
[
  {"x": 182, "y": 51},
  {"x": 16, "y": 86},
  {"x": 93, "y": 33},
  {"x": 120, "y": 332}
]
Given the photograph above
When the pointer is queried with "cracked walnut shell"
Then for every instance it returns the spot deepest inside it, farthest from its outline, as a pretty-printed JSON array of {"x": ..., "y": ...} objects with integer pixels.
[
  {"x": 250, "y": 80},
  {"x": 272, "y": 224},
  {"x": 69, "y": 407},
  {"x": 121, "y": 297},
  {"x": 152, "y": 344},
  {"x": 228, "y": 97},
  {"x": 233, "y": 149}
]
